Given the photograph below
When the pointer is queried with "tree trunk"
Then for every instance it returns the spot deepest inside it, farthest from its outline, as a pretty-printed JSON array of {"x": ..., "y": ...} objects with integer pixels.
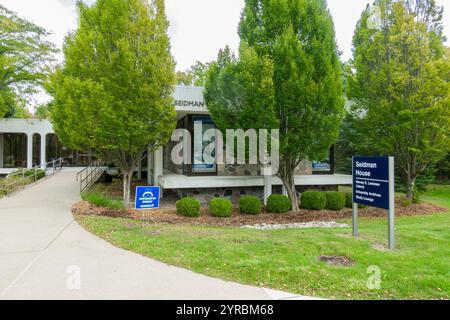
[
  {"x": 127, "y": 176},
  {"x": 410, "y": 184},
  {"x": 289, "y": 183}
]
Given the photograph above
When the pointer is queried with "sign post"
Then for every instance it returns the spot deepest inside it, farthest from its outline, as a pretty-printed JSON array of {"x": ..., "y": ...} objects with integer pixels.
[{"x": 373, "y": 185}]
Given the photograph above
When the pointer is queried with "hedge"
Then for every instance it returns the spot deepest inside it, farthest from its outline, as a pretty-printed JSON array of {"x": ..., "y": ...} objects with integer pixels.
[
  {"x": 313, "y": 200},
  {"x": 250, "y": 205},
  {"x": 188, "y": 207},
  {"x": 335, "y": 200},
  {"x": 278, "y": 203},
  {"x": 221, "y": 207}
]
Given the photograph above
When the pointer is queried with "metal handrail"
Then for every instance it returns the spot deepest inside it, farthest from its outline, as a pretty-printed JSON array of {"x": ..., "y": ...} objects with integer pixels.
[
  {"x": 48, "y": 168},
  {"x": 89, "y": 175}
]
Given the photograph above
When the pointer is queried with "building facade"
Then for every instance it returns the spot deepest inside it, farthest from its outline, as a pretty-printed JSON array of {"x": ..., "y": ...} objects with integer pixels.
[{"x": 25, "y": 143}]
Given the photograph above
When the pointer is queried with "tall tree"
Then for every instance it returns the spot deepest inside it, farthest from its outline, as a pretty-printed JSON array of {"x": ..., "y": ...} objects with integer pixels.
[
  {"x": 26, "y": 58},
  {"x": 114, "y": 93},
  {"x": 194, "y": 76},
  {"x": 287, "y": 77},
  {"x": 399, "y": 85}
]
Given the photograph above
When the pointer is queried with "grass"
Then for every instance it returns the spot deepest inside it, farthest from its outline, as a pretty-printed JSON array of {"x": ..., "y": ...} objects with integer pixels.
[
  {"x": 288, "y": 259},
  {"x": 99, "y": 199}
]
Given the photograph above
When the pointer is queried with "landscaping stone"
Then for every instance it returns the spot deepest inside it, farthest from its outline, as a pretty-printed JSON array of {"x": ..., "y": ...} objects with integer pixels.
[{"x": 313, "y": 224}]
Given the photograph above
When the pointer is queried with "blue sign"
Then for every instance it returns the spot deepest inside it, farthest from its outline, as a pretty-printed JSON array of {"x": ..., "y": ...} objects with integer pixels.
[
  {"x": 371, "y": 181},
  {"x": 147, "y": 197}
]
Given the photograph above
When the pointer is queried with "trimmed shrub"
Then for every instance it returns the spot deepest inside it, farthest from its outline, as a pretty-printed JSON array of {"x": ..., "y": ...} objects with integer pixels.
[
  {"x": 348, "y": 199},
  {"x": 188, "y": 207},
  {"x": 335, "y": 200},
  {"x": 221, "y": 207},
  {"x": 250, "y": 205},
  {"x": 313, "y": 200},
  {"x": 278, "y": 203}
]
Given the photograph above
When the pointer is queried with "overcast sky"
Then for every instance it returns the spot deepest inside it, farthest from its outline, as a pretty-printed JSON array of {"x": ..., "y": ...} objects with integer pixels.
[{"x": 198, "y": 28}]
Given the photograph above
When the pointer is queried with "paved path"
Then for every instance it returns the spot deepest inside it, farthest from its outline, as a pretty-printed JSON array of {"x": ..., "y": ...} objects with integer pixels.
[{"x": 43, "y": 250}]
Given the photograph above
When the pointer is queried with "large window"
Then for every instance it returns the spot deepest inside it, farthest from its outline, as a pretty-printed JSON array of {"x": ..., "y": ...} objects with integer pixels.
[
  {"x": 36, "y": 149},
  {"x": 199, "y": 164},
  {"x": 72, "y": 158},
  {"x": 14, "y": 150}
]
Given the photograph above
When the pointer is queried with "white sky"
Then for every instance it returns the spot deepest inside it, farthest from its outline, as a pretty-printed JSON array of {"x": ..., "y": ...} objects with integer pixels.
[{"x": 198, "y": 28}]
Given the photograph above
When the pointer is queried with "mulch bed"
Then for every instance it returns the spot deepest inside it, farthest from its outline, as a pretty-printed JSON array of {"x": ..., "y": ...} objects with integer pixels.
[{"x": 168, "y": 215}]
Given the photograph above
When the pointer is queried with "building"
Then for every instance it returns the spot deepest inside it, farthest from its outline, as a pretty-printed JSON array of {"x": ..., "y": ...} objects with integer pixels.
[{"x": 26, "y": 143}]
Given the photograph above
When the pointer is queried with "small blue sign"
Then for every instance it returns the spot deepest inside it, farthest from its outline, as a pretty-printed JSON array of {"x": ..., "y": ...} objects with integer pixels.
[
  {"x": 147, "y": 197},
  {"x": 371, "y": 181}
]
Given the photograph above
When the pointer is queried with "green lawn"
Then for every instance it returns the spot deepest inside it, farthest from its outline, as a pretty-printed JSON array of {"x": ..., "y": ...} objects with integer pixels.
[{"x": 288, "y": 259}]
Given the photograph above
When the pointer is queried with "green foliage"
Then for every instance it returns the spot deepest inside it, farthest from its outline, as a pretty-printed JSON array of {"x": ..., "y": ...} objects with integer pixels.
[
  {"x": 194, "y": 76},
  {"x": 335, "y": 200},
  {"x": 221, "y": 207},
  {"x": 43, "y": 111},
  {"x": 417, "y": 197},
  {"x": 101, "y": 200},
  {"x": 38, "y": 173},
  {"x": 184, "y": 78},
  {"x": 348, "y": 199},
  {"x": 443, "y": 169},
  {"x": 25, "y": 61},
  {"x": 250, "y": 205},
  {"x": 114, "y": 94},
  {"x": 287, "y": 77},
  {"x": 278, "y": 203},
  {"x": 188, "y": 207},
  {"x": 313, "y": 200},
  {"x": 399, "y": 84}
]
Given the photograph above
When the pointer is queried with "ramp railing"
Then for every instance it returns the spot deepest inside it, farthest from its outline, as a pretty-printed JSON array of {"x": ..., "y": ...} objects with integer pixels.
[
  {"x": 89, "y": 175},
  {"x": 23, "y": 178}
]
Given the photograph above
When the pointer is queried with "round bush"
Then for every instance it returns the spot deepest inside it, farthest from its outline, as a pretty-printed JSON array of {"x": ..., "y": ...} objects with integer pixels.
[
  {"x": 250, "y": 205},
  {"x": 348, "y": 199},
  {"x": 278, "y": 203},
  {"x": 313, "y": 200},
  {"x": 188, "y": 207},
  {"x": 221, "y": 207},
  {"x": 335, "y": 200}
]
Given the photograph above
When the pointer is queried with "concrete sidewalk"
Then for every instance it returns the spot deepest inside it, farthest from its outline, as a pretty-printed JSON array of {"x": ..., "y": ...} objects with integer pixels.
[{"x": 45, "y": 254}]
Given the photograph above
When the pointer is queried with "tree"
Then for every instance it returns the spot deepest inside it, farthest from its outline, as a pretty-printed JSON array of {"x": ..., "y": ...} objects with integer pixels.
[
  {"x": 184, "y": 78},
  {"x": 43, "y": 111},
  {"x": 114, "y": 93},
  {"x": 399, "y": 86},
  {"x": 199, "y": 71},
  {"x": 25, "y": 61},
  {"x": 287, "y": 77},
  {"x": 194, "y": 76}
]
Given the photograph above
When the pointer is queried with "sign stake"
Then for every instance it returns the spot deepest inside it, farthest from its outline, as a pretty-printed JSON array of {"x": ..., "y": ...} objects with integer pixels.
[
  {"x": 355, "y": 219},
  {"x": 391, "y": 212}
]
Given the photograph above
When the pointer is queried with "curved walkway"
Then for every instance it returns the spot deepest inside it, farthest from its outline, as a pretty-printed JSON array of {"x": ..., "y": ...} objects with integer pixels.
[{"x": 45, "y": 254}]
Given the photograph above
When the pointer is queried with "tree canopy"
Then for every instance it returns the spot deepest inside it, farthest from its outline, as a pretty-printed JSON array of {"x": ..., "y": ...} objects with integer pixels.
[
  {"x": 114, "y": 93},
  {"x": 399, "y": 85},
  {"x": 26, "y": 58}
]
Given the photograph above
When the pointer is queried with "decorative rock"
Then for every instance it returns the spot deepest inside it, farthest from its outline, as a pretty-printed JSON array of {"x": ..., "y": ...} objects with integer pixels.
[{"x": 314, "y": 224}]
